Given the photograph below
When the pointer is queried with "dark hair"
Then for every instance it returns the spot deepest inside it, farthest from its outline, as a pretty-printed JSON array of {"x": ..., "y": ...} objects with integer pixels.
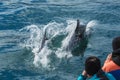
[
  {"x": 116, "y": 43},
  {"x": 92, "y": 65},
  {"x": 101, "y": 74},
  {"x": 116, "y": 56}
]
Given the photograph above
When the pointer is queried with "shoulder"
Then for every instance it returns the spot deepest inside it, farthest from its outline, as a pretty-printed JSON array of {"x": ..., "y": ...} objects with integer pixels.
[
  {"x": 116, "y": 74},
  {"x": 110, "y": 76},
  {"x": 94, "y": 77},
  {"x": 108, "y": 66},
  {"x": 81, "y": 77}
]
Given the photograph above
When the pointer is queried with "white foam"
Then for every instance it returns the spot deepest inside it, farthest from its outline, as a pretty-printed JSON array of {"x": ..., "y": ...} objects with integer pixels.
[
  {"x": 89, "y": 27},
  {"x": 70, "y": 29},
  {"x": 42, "y": 58},
  {"x": 35, "y": 39},
  {"x": 53, "y": 29},
  {"x": 63, "y": 54}
]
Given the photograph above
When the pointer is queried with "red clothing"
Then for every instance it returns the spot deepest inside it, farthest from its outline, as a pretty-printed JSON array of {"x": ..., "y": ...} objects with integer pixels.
[{"x": 109, "y": 65}]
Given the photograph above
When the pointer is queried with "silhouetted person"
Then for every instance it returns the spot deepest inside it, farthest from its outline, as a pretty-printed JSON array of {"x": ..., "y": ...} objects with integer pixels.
[
  {"x": 112, "y": 63},
  {"x": 93, "y": 70}
]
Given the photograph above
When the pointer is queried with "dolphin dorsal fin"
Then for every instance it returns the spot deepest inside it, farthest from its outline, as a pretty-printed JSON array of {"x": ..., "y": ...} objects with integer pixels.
[
  {"x": 79, "y": 31},
  {"x": 78, "y": 25}
]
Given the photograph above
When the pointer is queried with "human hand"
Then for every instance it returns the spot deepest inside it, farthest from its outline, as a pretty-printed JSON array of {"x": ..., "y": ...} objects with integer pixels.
[
  {"x": 109, "y": 57},
  {"x": 84, "y": 73}
]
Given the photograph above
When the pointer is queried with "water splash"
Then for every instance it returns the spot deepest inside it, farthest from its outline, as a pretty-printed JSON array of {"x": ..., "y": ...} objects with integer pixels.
[
  {"x": 89, "y": 27},
  {"x": 35, "y": 36},
  {"x": 70, "y": 30},
  {"x": 51, "y": 48}
]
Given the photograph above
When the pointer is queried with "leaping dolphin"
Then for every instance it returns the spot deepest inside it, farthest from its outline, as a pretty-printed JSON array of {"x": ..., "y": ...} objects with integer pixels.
[{"x": 78, "y": 40}]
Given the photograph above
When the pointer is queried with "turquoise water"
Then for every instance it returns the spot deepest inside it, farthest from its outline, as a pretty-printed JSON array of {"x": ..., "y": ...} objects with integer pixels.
[{"x": 22, "y": 25}]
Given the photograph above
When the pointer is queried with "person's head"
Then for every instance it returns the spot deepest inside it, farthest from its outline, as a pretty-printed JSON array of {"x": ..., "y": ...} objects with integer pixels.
[
  {"x": 116, "y": 56},
  {"x": 116, "y": 43},
  {"x": 92, "y": 65}
]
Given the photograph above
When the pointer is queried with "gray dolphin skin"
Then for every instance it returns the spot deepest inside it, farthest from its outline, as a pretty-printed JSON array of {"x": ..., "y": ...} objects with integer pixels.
[
  {"x": 81, "y": 40},
  {"x": 77, "y": 36},
  {"x": 80, "y": 30},
  {"x": 78, "y": 41}
]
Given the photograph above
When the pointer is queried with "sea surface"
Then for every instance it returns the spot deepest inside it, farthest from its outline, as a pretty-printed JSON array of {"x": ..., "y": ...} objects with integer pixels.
[{"x": 23, "y": 24}]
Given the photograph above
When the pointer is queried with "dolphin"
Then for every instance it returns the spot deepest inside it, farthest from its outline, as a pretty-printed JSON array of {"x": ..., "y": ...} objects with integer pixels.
[
  {"x": 43, "y": 41},
  {"x": 78, "y": 41}
]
